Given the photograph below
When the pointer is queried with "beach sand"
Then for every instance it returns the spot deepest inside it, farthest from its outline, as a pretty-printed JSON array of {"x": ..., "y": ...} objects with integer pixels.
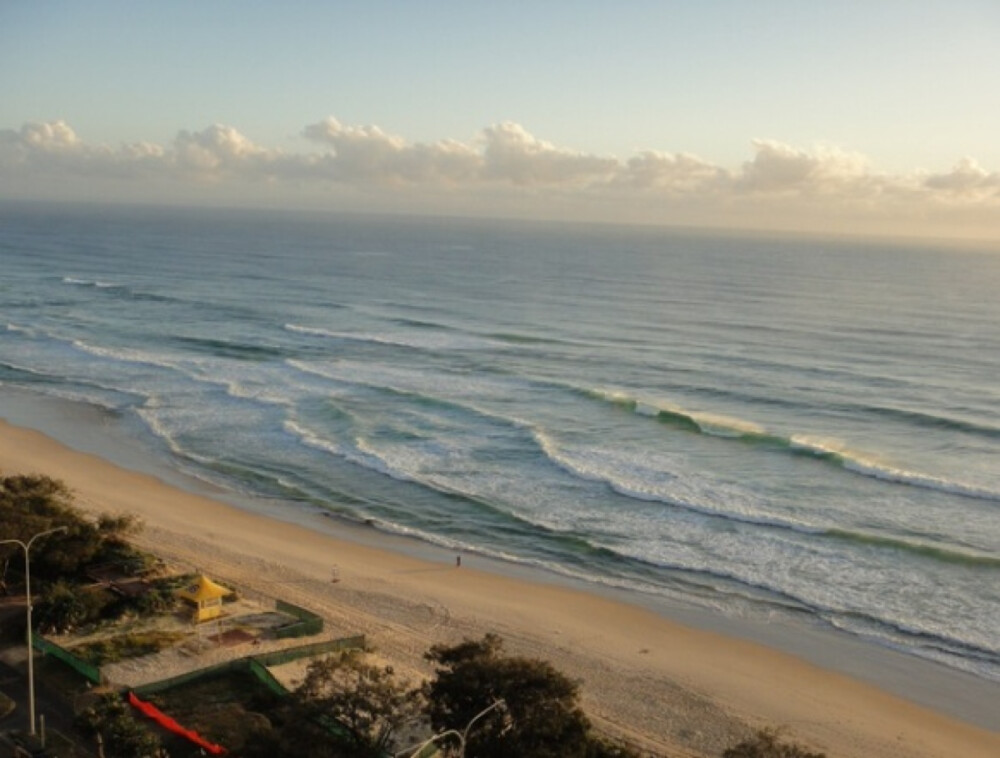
[{"x": 673, "y": 690}]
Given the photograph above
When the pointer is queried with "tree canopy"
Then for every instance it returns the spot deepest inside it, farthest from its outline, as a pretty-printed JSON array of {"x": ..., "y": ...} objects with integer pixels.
[
  {"x": 542, "y": 717},
  {"x": 32, "y": 503},
  {"x": 345, "y": 707}
]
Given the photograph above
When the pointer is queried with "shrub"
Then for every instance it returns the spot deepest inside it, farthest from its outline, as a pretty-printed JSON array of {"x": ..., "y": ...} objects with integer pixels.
[
  {"x": 130, "y": 645},
  {"x": 122, "y": 734},
  {"x": 767, "y": 744},
  {"x": 65, "y": 607}
]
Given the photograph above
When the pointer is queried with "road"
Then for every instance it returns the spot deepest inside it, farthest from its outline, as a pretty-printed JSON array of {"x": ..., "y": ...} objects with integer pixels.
[{"x": 49, "y": 702}]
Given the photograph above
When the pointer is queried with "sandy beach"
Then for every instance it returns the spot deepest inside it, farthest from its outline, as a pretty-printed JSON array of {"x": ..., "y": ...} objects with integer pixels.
[{"x": 673, "y": 690}]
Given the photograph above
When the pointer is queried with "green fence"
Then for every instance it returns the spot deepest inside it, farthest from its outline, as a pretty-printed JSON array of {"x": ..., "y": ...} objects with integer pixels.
[
  {"x": 256, "y": 665},
  {"x": 308, "y": 622},
  {"x": 88, "y": 670},
  {"x": 288, "y": 655},
  {"x": 266, "y": 678}
]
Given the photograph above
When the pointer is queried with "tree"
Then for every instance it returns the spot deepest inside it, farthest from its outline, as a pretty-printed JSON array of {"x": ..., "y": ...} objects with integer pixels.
[
  {"x": 542, "y": 718},
  {"x": 767, "y": 744},
  {"x": 64, "y": 607},
  {"x": 33, "y": 503},
  {"x": 345, "y": 707},
  {"x": 122, "y": 735}
]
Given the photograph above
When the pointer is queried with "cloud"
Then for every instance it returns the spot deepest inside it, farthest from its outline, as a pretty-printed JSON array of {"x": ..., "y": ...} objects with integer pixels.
[
  {"x": 504, "y": 153},
  {"x": 37, "y": 142},
  {"x": 504, "y": 168},
  {"x": 777, "y": 167},
  {"x": 966, "y": 180},
  {"x": 54, "y": 148},
  {"x": 369, "y": 155},
  {"x": 47, "y": 137},
  {"x": 217, "y": 148},
  {"x": 511, "y": 154},
  {"x": 673, "y": 173}
]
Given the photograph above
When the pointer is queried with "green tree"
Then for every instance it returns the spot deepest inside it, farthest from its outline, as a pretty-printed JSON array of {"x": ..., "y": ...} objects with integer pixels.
[
  {"x": 31, "y": 504},
  {"x": 345, "y": 707},
  {"x": 65, "y": 607},
  {"x": 542, "y": 718},
  {"x": 122, "y": 734}
]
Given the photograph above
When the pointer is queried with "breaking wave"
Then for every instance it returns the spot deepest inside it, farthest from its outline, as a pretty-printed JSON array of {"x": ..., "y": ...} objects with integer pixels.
[{"x": 829, "y": 451}]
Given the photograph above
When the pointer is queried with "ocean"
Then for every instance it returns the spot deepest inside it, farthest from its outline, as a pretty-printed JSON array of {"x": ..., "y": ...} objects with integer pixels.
[{"x": 759, "y": 426}]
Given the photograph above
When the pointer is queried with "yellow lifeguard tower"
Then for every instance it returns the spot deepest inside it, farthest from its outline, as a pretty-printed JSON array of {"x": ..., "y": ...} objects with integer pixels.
[{"x": 206, "y": 598}]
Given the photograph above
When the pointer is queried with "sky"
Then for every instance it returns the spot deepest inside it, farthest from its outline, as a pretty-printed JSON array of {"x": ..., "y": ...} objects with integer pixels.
[{"x": 855, "y": 116}]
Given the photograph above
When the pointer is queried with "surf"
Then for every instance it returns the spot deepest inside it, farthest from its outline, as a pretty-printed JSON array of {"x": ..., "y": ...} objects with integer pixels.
[{"x": 831, "y": 452}]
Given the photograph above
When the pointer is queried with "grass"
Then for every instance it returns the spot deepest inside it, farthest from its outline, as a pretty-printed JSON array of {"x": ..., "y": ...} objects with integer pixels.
[{"x": 128, "y": 645}]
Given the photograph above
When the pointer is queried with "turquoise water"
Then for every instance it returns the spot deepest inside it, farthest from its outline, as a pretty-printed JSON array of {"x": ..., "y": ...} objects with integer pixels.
[{"x": 751, "y": 425}]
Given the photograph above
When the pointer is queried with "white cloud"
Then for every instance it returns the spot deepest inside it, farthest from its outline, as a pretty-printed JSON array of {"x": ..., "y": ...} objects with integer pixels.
[
  {"x": 967, "y": 179},
  {"x": 505, "y": 169},
  {"x": 777, "y": 167},
  {"x": 57, "y": 135},
  {"x": 216, "y": 148},
  {"x": 512, "y": 154},
  {"x": 54, "y": 148},
  {"x": 369, "y": 155},
  {"x": 651, "y": 170}
]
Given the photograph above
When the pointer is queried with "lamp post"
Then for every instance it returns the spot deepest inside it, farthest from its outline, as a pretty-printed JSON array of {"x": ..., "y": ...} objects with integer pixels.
[
  {"x": 26, "y": 546},
  {"x": 500, "y": 704}
]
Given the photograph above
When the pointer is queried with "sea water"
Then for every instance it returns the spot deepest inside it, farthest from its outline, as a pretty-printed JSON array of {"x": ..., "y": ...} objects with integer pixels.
[{"x": 755, "y": 425}]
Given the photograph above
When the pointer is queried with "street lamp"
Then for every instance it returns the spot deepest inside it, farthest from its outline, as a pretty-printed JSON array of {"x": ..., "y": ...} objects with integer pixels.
[
  {"x": 500, "y": 705},
  {"x": 27, "y": 596}
]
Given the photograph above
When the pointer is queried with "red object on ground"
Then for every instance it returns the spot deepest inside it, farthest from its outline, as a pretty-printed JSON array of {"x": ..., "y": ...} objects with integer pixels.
[{"x": 150, "y": 710}]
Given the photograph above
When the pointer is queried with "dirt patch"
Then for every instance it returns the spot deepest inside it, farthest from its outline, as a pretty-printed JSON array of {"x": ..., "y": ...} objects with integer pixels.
[{"x": 233, "y": 637}]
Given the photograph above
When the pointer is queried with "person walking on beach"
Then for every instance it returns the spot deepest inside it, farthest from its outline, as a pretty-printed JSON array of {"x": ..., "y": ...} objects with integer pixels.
[{"x": 458, "y": 561}]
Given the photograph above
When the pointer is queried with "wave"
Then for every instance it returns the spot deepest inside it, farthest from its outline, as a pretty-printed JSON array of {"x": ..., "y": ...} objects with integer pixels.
[
  {"x": 525, "y": 339},
  {"x": 729, "y": 510},
  {"x": 222, "y": 348},
  {"x": 126, "y": 355},
  {"x": 887, "y": 631},
  {"x": 362, "y": 454},
  {"x": 828, "y": 451},
  {"x": 123, "y": 291},
  {"x": 91, "y": 283},
  {"x": 18, "y": 329},
  {"x": 648, "y": 493},
  {"x": 716, "y": 425},
  {"x": 34, "y": 375},
  {"x": 865, "y": 466},
  {"x": 436, "y": 338},
  {"x": 960, "y": 654},
  {"x": 147, "y": 412},
  {"x": 935, "y": 552},
  {"x": 932, "y": 421},
  {"x": 419, "y": 324}
]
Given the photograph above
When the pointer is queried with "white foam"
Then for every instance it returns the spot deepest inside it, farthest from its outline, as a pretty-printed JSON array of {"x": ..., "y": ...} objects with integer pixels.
[
  {"x": 89, "y": 282},
  {"x": 17, "y": 329},
  {"x": 869, "y": 466},
  {"x": 725, "y": 426},
  {"x": 125, "y": 354}
]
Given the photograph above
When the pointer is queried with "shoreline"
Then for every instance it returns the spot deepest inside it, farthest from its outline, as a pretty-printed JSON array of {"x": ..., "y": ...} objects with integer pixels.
[{"x": 672, "y": 688}]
